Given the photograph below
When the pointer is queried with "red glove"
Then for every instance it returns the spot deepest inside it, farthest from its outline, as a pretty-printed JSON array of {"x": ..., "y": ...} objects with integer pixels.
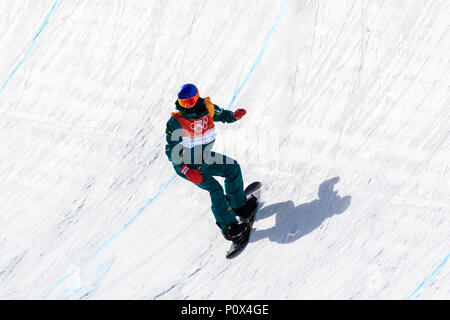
[
  {"x": 239, "y": 113},
  {"x": 193, "y": 175}
]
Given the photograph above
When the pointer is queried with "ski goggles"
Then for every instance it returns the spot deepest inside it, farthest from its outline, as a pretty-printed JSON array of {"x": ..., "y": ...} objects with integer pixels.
[{"x": 188, "y": 102}]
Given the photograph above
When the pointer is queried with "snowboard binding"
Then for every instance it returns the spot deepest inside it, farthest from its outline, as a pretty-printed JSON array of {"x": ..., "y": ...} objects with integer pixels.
[{"x": 253, "y": 194}]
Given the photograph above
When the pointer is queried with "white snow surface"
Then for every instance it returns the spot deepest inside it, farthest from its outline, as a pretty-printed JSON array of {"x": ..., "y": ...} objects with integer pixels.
[{"x": 348, "y": 129}]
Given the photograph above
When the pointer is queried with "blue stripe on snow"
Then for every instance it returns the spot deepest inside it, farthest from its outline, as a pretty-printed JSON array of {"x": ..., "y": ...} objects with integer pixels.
[
  {"x": 261, "y": 53},
  {"x": 27, "y": 52},
  {"x": 429, "y": 277},
  {"x": 107, "y": 242}
]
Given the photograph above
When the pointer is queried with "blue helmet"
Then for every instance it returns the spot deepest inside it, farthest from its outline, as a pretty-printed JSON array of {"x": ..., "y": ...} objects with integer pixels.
[{"x": 187, "y": 91}]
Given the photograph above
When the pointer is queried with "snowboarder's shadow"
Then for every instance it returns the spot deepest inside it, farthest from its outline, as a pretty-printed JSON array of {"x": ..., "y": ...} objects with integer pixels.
[{"x": 293, "y": 222}]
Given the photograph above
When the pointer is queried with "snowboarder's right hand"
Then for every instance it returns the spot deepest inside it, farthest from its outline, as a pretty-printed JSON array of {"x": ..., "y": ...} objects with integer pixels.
[
  {"x": 239, "y": 113},
  {"x": 193, "y": 175}
]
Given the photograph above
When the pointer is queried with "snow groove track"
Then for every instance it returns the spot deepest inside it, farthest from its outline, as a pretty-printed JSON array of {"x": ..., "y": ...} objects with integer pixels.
[
  {"x": 169, "y": 182},
  {"x": 27, "y": 52}
]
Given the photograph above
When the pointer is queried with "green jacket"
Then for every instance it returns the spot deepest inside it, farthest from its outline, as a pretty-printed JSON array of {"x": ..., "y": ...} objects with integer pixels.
[{"x": 174, "y": 141}]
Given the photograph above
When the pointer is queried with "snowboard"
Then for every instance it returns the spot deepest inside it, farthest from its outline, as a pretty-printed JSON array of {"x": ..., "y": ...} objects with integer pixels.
[{"x": 236, "y": 248}]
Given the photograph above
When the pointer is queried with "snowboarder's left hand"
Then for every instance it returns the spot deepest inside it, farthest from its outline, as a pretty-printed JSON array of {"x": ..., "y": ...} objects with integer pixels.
[
  {"x": 239, "y": 113},
  {"x": 193, "y": 175}
]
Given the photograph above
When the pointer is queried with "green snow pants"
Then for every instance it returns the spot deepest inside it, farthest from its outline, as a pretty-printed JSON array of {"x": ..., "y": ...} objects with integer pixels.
[{"x": 234, "y": 187}]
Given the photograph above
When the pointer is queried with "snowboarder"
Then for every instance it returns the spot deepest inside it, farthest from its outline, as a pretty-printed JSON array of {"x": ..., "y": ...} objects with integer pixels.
[{"x": 190, "y": 135}]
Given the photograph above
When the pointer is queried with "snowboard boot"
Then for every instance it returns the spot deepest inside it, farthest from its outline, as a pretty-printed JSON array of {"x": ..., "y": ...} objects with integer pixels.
[
  {"x": 246, "y": 211},
  {"x": 235, "y": 232}
]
